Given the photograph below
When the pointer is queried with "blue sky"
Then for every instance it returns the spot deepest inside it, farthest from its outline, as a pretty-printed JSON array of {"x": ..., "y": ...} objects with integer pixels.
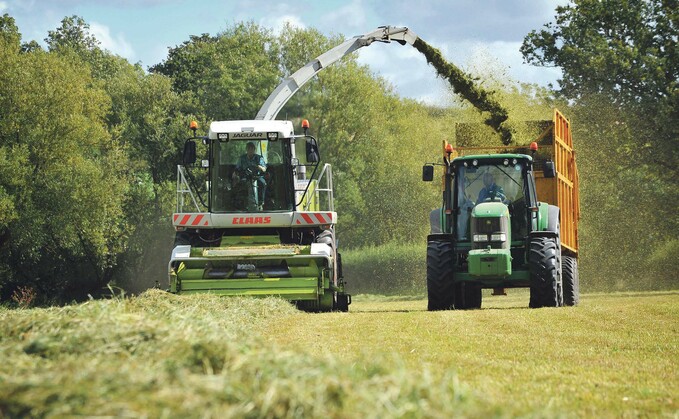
[{"x": 481, "y": 36}]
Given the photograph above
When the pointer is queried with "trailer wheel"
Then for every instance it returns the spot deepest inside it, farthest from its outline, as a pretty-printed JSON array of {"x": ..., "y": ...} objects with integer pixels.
[
  {"x": 571, "y": 281},
  {"x": 440, "y": 259},
  {"x": 467, "y": 296},
  {"x": 544, "y": 279}
]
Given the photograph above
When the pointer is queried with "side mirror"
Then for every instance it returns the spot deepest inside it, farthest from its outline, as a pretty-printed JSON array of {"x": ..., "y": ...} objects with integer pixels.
[
  {"x": 189, "y": 152},
  {"x": 427, "y": 173},
  {"x": 549, "y": 169},
  {"x": 312, "y": 155}
]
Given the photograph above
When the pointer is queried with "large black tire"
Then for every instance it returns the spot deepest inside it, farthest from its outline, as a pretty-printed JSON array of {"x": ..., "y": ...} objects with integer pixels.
[
  {"x": 571, "y": 281},
  {"x": 440, "y": 259},
  {"x": 182, "y": 238},
  {"x": 343, "y": 301},
  {"x": 544, "y": 272},
  {"x": 559, "y": 261},
  {"x": 467, "y": 296}
]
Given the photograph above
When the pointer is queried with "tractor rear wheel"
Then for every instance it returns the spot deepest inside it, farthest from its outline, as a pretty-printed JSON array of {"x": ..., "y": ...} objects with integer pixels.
[
  {"x": 440, "y": 259},
  {"x": 544, "y": 278},
  {"x": 571, "y": 281},
  {"x": 467, "y": 296}
]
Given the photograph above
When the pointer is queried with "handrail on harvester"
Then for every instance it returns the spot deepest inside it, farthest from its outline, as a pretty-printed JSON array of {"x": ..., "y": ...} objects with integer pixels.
[
  {"x": 326, "y": 173},
  {"x": 183, "y": 189}
]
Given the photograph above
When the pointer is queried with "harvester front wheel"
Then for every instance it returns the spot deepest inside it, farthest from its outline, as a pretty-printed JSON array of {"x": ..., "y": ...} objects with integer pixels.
[
  {"x": 343, "y": 301},
  {"x": 440, "y": 259},
  {"x": 571, "y": 281},
  {"x": 544, "y": 278}
]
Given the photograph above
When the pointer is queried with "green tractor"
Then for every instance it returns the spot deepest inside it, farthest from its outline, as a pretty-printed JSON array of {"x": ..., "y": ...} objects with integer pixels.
[{"x": 493, "y": 232}]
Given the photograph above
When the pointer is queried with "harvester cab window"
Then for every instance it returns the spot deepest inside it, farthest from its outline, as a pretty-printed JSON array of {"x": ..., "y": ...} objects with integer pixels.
[{"x": 250, "y": 176}]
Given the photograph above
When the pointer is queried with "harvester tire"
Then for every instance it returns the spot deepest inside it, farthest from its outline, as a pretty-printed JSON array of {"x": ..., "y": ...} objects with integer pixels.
[
  {"x": 544, "y": 278},
  {"x": 343, "y": 301},
  {"x": 182, "y": 238},
  {"x": 571, "y": 281},
  {"x": 467, "y": 296},
  {"x": 440, "y": 258}
]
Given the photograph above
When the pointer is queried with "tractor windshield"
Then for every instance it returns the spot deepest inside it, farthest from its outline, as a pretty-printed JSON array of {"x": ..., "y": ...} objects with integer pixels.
[
  {"x": 251, "y": 176},
  {"x": 488, "y": 183}
]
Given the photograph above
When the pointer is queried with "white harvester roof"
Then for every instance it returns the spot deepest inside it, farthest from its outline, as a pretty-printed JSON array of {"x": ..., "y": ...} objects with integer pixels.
[{"x": 283, "y": 128}]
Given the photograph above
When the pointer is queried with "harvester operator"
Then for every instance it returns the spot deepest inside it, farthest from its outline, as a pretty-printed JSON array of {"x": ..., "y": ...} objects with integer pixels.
[{"x": 252, "y": 165}]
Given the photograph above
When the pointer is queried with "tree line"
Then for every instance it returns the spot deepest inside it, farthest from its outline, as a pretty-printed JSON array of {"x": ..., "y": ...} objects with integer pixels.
[{"x": 89, "y": 142}]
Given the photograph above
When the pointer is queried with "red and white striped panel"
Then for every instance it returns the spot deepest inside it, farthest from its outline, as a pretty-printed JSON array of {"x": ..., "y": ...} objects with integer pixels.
[
  {"x": 191, "y": 220},
  {"x": 312, "y": 218}
]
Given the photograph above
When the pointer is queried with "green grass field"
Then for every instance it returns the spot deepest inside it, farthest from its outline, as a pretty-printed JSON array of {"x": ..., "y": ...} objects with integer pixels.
[{"x": 159, "y": 355}]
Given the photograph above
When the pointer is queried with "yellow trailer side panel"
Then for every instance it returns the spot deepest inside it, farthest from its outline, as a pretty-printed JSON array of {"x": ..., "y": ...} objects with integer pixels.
[{"x": 562, "y": 190}]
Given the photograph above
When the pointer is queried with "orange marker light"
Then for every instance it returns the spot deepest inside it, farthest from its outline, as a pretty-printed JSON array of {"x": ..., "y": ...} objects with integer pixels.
[
  {"x": 305, "y": 123},
  {"x": 193, "y": 125},
  {"x": 533, "y": 146},
  {"x": 449, "y": 148}
]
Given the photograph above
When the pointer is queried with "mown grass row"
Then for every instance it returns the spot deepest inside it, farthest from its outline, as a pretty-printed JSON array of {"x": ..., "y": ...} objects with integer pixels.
[{"x": 161, "y": 355}]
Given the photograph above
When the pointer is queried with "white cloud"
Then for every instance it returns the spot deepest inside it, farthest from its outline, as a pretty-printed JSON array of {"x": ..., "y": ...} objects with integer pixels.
[
  {"x": 278, "y": 23},
  {"x": 350, "y": 16},
  {"x": 3, "y": 6},
  {"x": 117, "y": 45}
]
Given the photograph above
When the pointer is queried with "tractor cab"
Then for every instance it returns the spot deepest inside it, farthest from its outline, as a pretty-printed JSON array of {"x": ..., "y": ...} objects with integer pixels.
[{"x": 487, "y": 188}]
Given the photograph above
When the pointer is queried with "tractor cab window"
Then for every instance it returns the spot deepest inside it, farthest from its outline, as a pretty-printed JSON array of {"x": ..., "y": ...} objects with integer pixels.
[
  {"x": 250, "y": 176},
  {"x": 489, "y": 183}
]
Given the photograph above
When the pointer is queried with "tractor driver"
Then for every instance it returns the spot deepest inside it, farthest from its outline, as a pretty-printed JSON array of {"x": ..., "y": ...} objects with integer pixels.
[
  {"x": 252, "y": 165},
  {"x": 490, "y": 189}
]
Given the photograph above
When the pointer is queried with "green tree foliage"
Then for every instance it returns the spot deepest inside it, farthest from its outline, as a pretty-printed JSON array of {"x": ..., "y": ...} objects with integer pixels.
[
  {"x": 72, "y": 34},
  {"x": 620, "y": 65},
  {"x": 148, "y": 118},
  {"x": 230, "y": 74},
  {"x": 9, "y": 32},
  {"x": 89, "y": 144},
  {"x": 129, "y": 140},
  {"x": 61, "y": 176},
  {"x": 625, "y": 51}
]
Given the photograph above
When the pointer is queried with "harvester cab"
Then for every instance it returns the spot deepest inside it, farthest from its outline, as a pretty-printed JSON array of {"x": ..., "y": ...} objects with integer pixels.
[
  {"x": 493, "y": 231},
  {"x": 256, "y": 217}
]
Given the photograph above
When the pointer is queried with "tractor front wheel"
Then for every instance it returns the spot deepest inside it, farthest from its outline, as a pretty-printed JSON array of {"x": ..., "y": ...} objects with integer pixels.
[
  {"x": 440, "y": 259},
  {"x": 544, "y": 278}
]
